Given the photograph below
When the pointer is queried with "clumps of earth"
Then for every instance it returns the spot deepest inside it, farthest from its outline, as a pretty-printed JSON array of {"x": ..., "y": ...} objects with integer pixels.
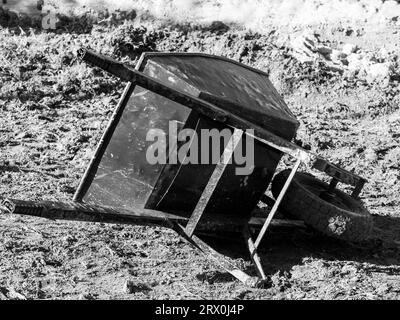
[
  {"x": 380, "y": 66},
  {"x": 9, "y": 18},
  {"x": 81, "y": 21},
  {"x": 338, "y": 225},
  {"x": 133, "y": 40}
]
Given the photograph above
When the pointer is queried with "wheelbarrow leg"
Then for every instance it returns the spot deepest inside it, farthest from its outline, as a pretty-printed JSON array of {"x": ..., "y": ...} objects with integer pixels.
[
  {"x": 254, "y": 255},
  {"x": 275, "y": 206},
  {"x": 212, "y": 183},
  {"x": 221, "y": 260},
  {"x": 252, "y": 246},
  {"x": 188, "y": 231}
]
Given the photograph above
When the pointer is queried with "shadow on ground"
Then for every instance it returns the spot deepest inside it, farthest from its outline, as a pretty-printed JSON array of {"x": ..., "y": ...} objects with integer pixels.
[{"x": 281, "y": 250}]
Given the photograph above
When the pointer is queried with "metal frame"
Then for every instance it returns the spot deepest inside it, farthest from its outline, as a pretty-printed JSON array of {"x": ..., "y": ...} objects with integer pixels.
[{"x": 206, "y": 105}]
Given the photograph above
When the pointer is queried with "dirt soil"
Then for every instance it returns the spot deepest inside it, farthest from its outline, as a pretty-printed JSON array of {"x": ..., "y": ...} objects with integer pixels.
[{"x": 54, "y": 109}]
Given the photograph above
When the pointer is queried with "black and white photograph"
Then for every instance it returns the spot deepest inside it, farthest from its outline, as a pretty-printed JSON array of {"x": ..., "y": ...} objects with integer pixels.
[{"x": 220, "y": 151}]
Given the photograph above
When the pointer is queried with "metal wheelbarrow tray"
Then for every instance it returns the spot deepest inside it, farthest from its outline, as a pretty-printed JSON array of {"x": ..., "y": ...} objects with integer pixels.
[{"x": 196, "y": 92}]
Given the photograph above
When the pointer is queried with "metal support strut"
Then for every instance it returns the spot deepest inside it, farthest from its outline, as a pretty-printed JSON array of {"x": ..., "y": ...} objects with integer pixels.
[
  {"x": 212, "y": 183},
  {"x": 188, "y": 232},
  {"x": 275, "y": 206}
]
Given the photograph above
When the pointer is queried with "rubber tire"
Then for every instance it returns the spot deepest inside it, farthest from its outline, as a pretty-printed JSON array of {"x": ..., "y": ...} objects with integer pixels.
[{"x": 349, "y": 222}]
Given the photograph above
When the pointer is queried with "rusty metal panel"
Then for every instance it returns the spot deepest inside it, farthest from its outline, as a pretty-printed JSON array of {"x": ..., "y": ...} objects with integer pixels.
[
  {"x": 259, "y": 101},
  {"x": 124, "y": 178}
]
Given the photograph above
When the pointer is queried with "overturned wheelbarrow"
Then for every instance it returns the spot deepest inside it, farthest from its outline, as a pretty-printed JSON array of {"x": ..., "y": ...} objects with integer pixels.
[{"x": 193, "y": 145}]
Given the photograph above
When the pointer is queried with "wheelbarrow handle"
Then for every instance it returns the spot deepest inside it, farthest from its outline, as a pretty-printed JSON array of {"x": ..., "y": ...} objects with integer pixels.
[{"x": 106, "y": 63}]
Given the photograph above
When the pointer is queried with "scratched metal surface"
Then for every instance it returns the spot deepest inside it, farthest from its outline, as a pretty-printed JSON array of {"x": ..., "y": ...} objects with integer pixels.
[
  {"x": 227, "y": 80},
  {"x": 124, "y": 178}
]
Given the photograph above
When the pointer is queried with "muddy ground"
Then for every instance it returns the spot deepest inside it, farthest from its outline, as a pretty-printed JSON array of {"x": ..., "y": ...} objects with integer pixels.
[{"x": 54, "y": 109}]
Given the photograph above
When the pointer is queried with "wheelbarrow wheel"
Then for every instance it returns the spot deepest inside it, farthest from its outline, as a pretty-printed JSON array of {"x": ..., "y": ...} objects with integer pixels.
[{"x": 334, "y": 213}]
